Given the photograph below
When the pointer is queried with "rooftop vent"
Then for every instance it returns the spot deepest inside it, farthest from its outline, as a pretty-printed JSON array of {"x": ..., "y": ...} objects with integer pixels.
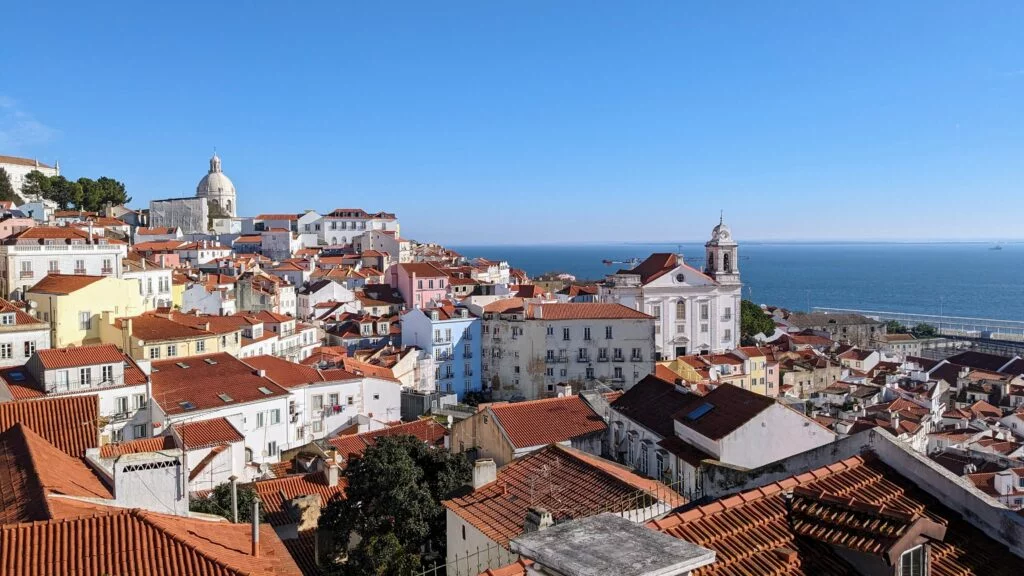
[{"x": 225, "y": 397}]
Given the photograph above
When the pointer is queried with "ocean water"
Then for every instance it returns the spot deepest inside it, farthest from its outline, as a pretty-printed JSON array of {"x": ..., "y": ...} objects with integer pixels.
[{"x": 958, "y": 279}]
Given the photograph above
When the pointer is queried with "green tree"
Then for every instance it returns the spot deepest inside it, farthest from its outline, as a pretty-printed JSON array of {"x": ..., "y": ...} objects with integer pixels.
[
  {"x": 393, "y": 502},
  {"x": 754, "y": 321},
  {"x": 65, "y": 192},
  {"x": 36, "y": 184},
  {"x": 219, "y": 503},
  {"x": 895, "y": 327},
  {"x": 7, "y": 189},
  {"x": 924, "y": 331}
]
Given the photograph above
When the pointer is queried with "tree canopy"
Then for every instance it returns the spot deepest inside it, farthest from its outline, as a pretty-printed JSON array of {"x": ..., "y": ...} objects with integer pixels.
[
  {"x": 895, "y": 327},
  {"x": 754, "y": 321},
  {"x": 219, "y": 503},
  {"x": 7, "y": 189},
  {"x": 83, "y": 194},
  {"x": 924, "y": 331},
  {"x": 393, "y": 502}
]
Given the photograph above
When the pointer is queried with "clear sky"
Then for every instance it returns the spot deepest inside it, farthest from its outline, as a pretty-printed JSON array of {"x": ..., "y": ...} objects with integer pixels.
[{"x": 542, "y": 121}]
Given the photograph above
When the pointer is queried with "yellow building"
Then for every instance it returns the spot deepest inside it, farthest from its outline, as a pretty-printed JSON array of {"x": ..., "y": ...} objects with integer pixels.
[
  {"x": 74, "y": 305},
  {"x": 162, "y": 335}
]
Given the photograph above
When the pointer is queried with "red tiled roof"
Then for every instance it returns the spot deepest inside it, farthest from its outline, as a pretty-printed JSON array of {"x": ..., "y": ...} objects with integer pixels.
[
  {"x": 303, "y": 550},
  {"x": 277, "y": 217},
  {"x": 55, "y": 358},
  {"x": 575, "y": 485},
  {"x": 517, "y": 568},
  {"x": 63, "y": 284},
  {"x": 730, "y": 408},
  {"x": 422, "y": 270},
  {"x": 275, "y": 492},
  {"x": 540, "y": 422},
  {"x": 204, "y": 433},
  {"x": 68, "y": 422},
  {"x": 21, "y": 318},
  {"x": 858, "y": 503},
  {"x": 148, "y": 231},
  {"x": 652, "y": 402},
  {"x": 137, "y": 446},
  {"x": 425, "y": 429},
  {"x": 504, "y": 305},
  {"x": 204, "y": 380},
  {"x": 141, "y": 543},
  {"x": 16, "y": 160},
  {"x": 291, "y": 375},
  {"x": 585, "y": 311}
]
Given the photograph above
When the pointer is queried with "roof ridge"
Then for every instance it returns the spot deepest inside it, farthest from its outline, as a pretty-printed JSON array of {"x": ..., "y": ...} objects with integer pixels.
[{"x": 143, "y": 516}]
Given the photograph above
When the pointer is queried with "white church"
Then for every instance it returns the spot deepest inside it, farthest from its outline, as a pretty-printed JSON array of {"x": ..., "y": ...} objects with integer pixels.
[{"x": 696, "y": 312}]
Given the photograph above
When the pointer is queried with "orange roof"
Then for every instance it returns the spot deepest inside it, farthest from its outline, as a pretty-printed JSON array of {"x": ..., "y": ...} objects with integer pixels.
[
  {"x": 141, "y": 543},
  {"x": 200, "y": 384},
  {"x": 62, "y": 284},
  {"x": 277, "y": 217},
  {"x": 504, "y": 305},
  {"x": 56, "y": 358},
  {"x": 21, "y": 318},
  {"x": 367, "y": 369},
  {"x": 425, "y": 429},
  {"x": 137, "y": 446},
  {"x": 422, "y": 270},
  {"x": 23, "y": 161},
  {"x": 575, "y": 485},
  {"x": 204, "y": 433},
  {"x": 563, "y": 418},
  {"x": 290, "y": 375},
  {"x": 585, "y": 311},
  {"x": 67, "y": 422},
  {"x": 517, "y": 568},
  {"x": 275, "y": 492},
  {"x": 859, "y": 503}
]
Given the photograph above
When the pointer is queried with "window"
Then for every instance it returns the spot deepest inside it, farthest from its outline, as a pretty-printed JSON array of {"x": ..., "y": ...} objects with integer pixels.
[
  {"x": 260, "y": 420},
  {"x": 334, "y": 399},
  {"x": 54, "y": 267},
  {"x": 108, "y": 373},
  {"x": 271, "y": 448},
  {"x": 224, "y": 341},
  {"x": 727, "y": 315},
  {"x": 551, "y": 355},
  {"x": 618, "y": 372},
  {"x": 117, "y": 435},
  {"x": 656, "y": 311},
  {"x": 6, "y": 351},
  {"x": 463, "y": 531},
  {"x": 727, "y": 336},
  {"x": 85, "y": 320},
  {"x": 275, "y": 416},
  {"x": 659, "y": 464},
  {"x": 26, "y": 269},
  {"x": 586, "y": 333},
  {"x": 139, "y": 431},
  {"x": 318, "y": 402},
  {"x": 350, "y": 400},
  {"x": 121, "y": 402},
  {"x": 704, "y": 311},
  {"x": 140, "y": 401},
  {"x": 551, "y": 330},
  {"x": 85, "y": 376},
  {"x": 419, "y": 284},
  {"x": 590, "y": 373},
  {"x": 912, "y": 562},
  {"x": 617, "y": 352},
  {"x": 550, "y": 372},
  {"x": 79, "y": 266},
  {"x": 608, "y": 332},
  {"x": 154, "y": 353},
  {"x": 318, "y": 426},
  {"x": 643, "y": 458},
  {"x": 637, "y": 354},
  {"x": 172, "y": 350},
  {"x": 430, "y": 284},
  {"x": 602, "y": 354},
  {"x": 30, "y": 348},
  {"x": 704, "y": 328},
  {"x": 563, "y": 372},
  {"x": 565, "y": 333},
  {"x": 680, "y": 310}
]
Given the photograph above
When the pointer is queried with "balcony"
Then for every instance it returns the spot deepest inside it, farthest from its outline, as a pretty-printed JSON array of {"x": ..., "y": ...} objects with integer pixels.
[
  {"x": 107, "y": 271},
  {"x": 602, "y": 358},
  {"x": 79, "y": 270},
  {"x": 26, "y": 274},
  {"x": 562, "y": 359},
  {"x": 618, "y": 359},
  {"x": 467, "y": 355},
  {"x": 727, "y": 318},
  {"x": 550, "y": 359},
  {"x": 636, "y": 358},
  {"x": 443, "y": 340},
  {"x": 583, "y": 359}
]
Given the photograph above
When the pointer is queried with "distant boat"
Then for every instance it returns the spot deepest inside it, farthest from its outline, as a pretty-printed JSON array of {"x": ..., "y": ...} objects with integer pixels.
[
  {"x": 997, "y": 247},
  {"x": 631, "y": 262}
]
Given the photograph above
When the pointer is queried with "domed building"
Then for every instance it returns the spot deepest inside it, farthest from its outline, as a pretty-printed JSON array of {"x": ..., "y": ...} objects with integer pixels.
[{"x": 217, "y": 188}]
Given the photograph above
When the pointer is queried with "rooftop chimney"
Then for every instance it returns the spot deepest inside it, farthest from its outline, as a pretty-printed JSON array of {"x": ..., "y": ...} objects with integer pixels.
[
  {"x": 485, "y": 471},
  {"x": 894, "y": 421},
  {"x": 537, "y": 519},
  {"x": 234, "y": 498},
  {"x": 333, "y": 474},
  {"x": 256, "y": 527},
  {"x": 1003, "y": 482}
]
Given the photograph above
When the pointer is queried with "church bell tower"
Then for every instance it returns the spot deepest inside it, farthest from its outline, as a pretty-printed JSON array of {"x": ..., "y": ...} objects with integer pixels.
[{"x": 722, "y": 261}]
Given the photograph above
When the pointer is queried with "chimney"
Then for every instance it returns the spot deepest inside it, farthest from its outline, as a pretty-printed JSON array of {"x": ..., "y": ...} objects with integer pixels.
[
  {"x": 1004, "y": 482},
  {"x": 485, "y": 471},
  {"x": 537, "y": 519},
  {"x": 234, "y": 498},
  {"x": 333, "y": 474},
  {"x": 787, "y": 498},
  {"x": 894, "y": 421},
  {"x": 256, "y": 527}
]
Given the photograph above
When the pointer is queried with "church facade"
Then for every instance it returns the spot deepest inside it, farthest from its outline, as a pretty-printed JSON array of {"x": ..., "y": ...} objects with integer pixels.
[
  {"x": 18, "y": 168},
  {"x": 695, "y": 311},
  {"x": 218, "y": 189}
]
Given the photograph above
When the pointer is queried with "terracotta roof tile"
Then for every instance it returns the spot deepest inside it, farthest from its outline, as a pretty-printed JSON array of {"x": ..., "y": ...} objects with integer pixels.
[
  {"x": 67, "y": 422},
  {"x": 63, "y": 284},
  {"x": 721, "y": 411},
  {"x": 137, "y": 446},
  {"x": 21, "y": 318},
  {"x": 204, "y": 380},
  {"x": 426, "y": 429},
  {"x": 56, "y": 358},
  {"x": 585, "y": 311},
  {"x": 576, "y": 485},
  {"x": 652, "y": 402},
  {"x": 540, "y": 422},
  {"x": 276, "y": 492},
  {"x": 204, "y": 433}
]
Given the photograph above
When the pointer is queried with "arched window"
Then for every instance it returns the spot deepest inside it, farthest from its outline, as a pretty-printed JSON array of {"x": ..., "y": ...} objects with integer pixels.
[
  {"x": 334, "y": 239},
  {"x": 680, "y": 309},
  {"x": 726, "y": 264},
  {"x": 248, "y": 454},
  {"x": 229, "y": 206}
]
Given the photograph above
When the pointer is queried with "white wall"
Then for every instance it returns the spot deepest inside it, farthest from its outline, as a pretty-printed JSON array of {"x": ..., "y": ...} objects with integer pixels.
[
  {"x": 256, "y": 439},
  {"x": 774, "y": 434}
]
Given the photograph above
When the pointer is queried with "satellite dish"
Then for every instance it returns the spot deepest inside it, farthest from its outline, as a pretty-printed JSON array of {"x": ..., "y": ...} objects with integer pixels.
[{"x": 33, "y": 304}]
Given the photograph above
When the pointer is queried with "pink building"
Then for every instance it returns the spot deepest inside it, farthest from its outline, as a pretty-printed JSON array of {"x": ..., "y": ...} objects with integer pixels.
[
  {"x": 419, "y": 283},
  {"x": 10, "y": 226}
]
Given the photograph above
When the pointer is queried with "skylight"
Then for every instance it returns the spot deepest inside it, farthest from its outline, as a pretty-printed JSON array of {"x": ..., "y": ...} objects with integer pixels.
[
  {"x": 700, "y": 411},
  {"x": 181, "y": 365},
  {"x": 225, "y": 397},
  {"x": 210, "y": 361},
  {"x": 186, "y": 405},
  {"x": 16, "y": 375},
  {"x": 265, "y": 390}
]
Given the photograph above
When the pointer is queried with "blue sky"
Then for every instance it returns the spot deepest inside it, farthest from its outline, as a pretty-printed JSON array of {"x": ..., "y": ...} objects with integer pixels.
[{"x": 540, "y": 121}]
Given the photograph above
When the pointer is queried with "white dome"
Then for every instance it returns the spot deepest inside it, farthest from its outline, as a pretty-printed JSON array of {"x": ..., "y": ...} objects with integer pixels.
[
  {"x": 215, "y": 184},
  {"x": 721, "y": 234}
]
